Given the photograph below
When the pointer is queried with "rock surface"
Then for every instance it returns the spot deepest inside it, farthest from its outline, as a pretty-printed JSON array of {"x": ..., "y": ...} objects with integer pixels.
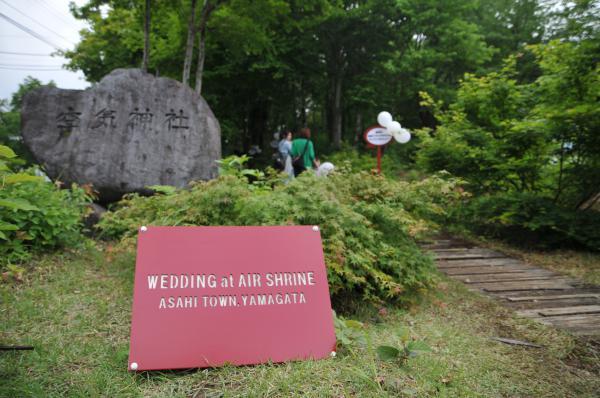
[{"x": 130, "y": 131}]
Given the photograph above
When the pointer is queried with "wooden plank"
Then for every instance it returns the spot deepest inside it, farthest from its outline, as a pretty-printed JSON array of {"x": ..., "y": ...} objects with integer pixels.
[
  {"x": 469, "y": 253},
  {"x": 515, "y": 342},
  {"x": 580, "y": 318},
  {"x": 573, "y": 290},
  {"x": 525, "y": 285},
  {"x": 509, "y": 278},
  {"x": 539, "y": 305},
  {"x": 542, "y": 295},
  {"x": 436, "y": 244},
  {"x": 554, "y": 297},
  {"x": 447, "y": 243},
  {"x": 529, "y": 273},
  {"x": 577, "y": 322},
  {"x": 579, "y": 309},
  {"x": 578, "y": 325},
  {"x": 533, "y": 313},
  {"x": 445, "y": 267},
  {"x": 483, "y": 261},
  {"x": 434, "y": 247},
  {"x": 472, "y": 250},
  {"x": 467, "y": 256},
  {"x": 463, "y": 272},
  {"x": 480, "y": 261},
  {"x": 530, "y": 285},
  {"x": 486, "y": 270},
  {"x": 451, "y": 250}
]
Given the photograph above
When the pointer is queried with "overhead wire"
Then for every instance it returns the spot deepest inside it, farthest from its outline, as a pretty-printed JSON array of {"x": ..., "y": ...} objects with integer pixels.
[
  {"x": 33, "y": 65},
  {"x": 54, "y": 11},
  {"x": 29, "y": 31},
  {"x": 26, "y": 54},
  {"x": 32, "y": 69},
  {"x": 37, "y": 23}
]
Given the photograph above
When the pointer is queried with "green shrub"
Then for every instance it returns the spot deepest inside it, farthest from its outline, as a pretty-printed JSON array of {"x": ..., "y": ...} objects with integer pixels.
[
  {"x": 368, "y": 223},
  {"x": 34, "y": 213},
  {"x": 396, "y": 160},
  {"x": 528, "y": 219}
]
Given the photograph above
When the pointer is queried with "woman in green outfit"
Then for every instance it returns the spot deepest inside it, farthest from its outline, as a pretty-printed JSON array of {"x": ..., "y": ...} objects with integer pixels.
[{"x": 303, "y": 152}]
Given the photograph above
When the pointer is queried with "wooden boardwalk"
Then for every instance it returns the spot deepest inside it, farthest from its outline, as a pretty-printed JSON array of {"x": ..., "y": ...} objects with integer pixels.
[{"x": 533, "y": 292}]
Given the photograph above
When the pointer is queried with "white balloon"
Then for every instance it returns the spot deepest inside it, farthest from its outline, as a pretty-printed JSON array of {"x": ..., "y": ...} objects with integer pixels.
[
  {"x": 403, "y": 136},
  {"x": 384, "y": 119},
  {"x": 394, "y": 127}
]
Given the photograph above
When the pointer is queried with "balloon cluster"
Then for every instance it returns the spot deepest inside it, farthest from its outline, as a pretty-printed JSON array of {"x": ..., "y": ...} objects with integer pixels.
[{"x": 399, "y": 133}]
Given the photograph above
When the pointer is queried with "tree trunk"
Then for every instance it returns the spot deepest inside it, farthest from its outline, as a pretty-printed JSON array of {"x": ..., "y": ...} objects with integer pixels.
[
  {"x": 329, "y": 110},
  {"x": 146, "y": 37},
  {"x": 589, "y": 203},
  {"x": 302, "y": 105},
  {"x": 358, "y": 130},
  {"x": 258, "y": 123},
  {"x": 189, "y": 47},
  {"x": 337, "y": 112},
  {"x": 560, "y": 172},
  {"x": 207, "y": 9}
]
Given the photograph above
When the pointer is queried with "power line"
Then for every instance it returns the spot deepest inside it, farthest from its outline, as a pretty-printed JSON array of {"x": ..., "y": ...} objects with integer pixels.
[
  {"x": 54, "y": 11},
  {"x": 28, "y": 54},
  {"x": 31, "y": 32},
  {"x": 32, "y": 69},
  {"x": 32, "y": 65},
  {"x": 36, "y": 22}
]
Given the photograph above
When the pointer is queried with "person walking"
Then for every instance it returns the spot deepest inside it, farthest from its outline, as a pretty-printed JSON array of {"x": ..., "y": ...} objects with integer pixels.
[
  {"x": 284, "y": 148},
  {"x": 303, "y": 152}
]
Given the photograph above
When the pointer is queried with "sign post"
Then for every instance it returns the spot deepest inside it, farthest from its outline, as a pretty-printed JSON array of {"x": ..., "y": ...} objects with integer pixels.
[
  {"x": 207, "y": 296},
  {"x": 383, "y": 133},
  {"x": 378, "y": 136}
]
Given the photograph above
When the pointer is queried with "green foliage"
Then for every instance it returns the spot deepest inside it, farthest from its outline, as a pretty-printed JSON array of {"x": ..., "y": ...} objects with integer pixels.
[
  {"x": 368, "y": 223},
  {"x": 30, "y": 83},
  {"x": 484, "y": 137},
  {"x": 510, "y": 24},
  {"x": 503, "y": 135},
  {"x": 567, "y": 106},
  {"x": 287, "y": 59},
  {"x": 442, "y": 40},
  {"x": 533, "y": 141},
  {"x": 34, "y": 214},
  {"x": 393, "y": 163},
  {"x": 529, "y": 219},
  {"x": 408, "y": 348},
  {"x": 349, "y": 333},
  {"x": 164, "y": 189},
  {"x": 10, "y": 118}
]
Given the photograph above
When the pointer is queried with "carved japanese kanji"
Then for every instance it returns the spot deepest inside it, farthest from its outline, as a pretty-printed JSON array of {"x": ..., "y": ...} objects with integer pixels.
[
  {"x": 104, "y": 118},
  {"x": 176, "y": 121},
  {"x": 66, "y": 121}
]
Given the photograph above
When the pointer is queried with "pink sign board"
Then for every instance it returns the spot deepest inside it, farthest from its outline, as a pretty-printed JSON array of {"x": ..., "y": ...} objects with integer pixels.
[{"x": 206, "y": 296}]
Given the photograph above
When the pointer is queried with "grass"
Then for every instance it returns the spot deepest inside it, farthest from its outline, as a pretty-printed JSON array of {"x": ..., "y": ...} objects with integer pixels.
[{"x": 74, "y": 308}]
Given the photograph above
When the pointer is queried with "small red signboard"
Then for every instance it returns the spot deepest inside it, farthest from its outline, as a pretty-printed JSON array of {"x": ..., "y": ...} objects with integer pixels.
[{"x": 206, "y": 296}]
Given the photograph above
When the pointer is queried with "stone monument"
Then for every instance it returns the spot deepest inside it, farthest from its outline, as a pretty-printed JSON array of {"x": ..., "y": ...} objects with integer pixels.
[{"x": 130, "y": 131}]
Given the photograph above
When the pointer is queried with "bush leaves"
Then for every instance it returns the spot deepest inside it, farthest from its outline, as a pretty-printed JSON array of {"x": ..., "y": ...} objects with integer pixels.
[
  {"x": 18, "y": 204},
  {"x": 388, "y": 353}
]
